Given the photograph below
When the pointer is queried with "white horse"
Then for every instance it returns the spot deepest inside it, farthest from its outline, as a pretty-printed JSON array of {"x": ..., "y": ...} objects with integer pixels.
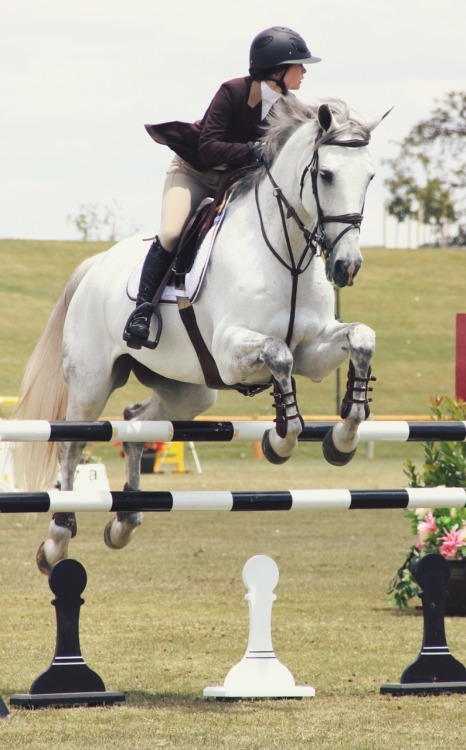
[{"x": 265, "y": 312}]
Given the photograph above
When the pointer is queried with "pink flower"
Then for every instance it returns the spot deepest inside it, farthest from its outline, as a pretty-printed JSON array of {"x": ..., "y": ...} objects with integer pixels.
[
  {"x": 452, "y": 541},
  {"x": 427, "y": 527}
]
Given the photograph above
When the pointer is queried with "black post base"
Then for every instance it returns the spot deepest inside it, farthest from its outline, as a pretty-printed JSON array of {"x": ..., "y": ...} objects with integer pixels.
[
  {"x": 423, "y": 688},
  {"x": 44, "y": 700},
  {"x": 435, "y": 670},
  {"x": 68, "y": 681}
]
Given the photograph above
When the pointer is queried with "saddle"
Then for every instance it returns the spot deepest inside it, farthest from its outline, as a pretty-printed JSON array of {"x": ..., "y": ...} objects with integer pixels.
[{"x": 198, "y": 225}]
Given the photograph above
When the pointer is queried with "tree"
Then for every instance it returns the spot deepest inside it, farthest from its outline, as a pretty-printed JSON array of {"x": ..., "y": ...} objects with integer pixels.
[
  {"x": 427, "y": 180},
  {"x": 95, "y": 222},
  {"x": 436, "y": 207}
]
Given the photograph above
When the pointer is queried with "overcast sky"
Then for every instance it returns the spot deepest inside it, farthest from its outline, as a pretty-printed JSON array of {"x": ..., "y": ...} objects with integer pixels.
[{"x": 79, "y": 80}]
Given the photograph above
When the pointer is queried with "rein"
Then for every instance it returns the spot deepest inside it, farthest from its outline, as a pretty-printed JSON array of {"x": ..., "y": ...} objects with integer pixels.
[
  {"x": 295, "y": 269},
  {"x": 312, "y": 239}
]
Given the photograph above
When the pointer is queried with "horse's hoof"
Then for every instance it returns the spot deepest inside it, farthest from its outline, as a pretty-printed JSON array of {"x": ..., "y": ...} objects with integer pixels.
[
  {"x": 42, "y": 562},
  {"x": 108, "y": 537},
  {"x": 126, "y": 524},
  {"x": 332, "y": 454},
  {"x": 269, "y": 452}
]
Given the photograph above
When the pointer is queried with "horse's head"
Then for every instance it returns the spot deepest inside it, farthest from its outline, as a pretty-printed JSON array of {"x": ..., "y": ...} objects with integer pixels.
[
  {"x": 337, "y": 178},
  {"x": 316, "y": 157}
]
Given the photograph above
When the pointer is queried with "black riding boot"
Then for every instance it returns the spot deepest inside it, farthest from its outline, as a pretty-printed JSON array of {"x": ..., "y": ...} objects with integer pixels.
[{"x": 155, "y": 269}]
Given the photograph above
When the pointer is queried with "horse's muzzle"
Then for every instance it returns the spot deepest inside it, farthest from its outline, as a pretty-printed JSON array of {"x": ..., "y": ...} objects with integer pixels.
[{"x": 343, "y": 272}]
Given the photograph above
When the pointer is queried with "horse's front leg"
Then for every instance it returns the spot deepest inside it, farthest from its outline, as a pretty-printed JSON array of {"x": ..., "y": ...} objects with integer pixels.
[
  {"x": 248, "y": 357},
  {"x": 63, "y": 525},
  {"x": 339, "y": 445}
]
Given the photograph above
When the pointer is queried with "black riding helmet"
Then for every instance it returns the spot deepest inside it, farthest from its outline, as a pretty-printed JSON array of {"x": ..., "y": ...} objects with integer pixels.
[{"x": 279, "y": 46}]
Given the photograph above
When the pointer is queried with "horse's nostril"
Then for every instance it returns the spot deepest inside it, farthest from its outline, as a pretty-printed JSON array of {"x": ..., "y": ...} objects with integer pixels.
[
  {"x": 344, "y": 273},
  {"x": 339, "y": 269}
]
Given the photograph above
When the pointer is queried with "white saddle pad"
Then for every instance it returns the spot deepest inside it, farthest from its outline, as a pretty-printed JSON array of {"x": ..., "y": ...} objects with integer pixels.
[{"x": 195, "y": 276}]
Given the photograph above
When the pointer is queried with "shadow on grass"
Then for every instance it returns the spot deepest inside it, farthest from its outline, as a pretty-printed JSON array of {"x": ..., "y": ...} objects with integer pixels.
[{"x": 188, "y": 702}]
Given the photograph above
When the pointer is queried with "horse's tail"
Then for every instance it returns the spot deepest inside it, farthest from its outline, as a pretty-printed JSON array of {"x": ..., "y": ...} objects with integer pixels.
[{"x": 44, "y": 395}]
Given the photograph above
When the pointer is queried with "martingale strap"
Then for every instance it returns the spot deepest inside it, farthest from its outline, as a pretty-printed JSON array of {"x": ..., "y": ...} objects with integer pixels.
[
  {"x": 295, "y": 269},
  {"x": 207, "y": 362}
]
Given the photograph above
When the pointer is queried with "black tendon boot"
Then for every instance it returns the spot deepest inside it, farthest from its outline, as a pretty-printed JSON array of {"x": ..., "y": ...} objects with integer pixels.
[{"x": 154, "y": 271}]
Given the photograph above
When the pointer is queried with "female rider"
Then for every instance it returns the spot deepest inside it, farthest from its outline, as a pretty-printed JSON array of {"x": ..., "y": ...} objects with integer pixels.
[{"x": 208, "y": 150}]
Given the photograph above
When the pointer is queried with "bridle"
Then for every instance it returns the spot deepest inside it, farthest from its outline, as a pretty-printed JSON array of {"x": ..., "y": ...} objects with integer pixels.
[
  {"x": 316, "y": 238},
  {"x": 353, "y": 220}
]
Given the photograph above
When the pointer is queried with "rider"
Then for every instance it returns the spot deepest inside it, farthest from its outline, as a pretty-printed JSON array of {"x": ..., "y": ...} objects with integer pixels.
[{"x": 208, "y": 150}]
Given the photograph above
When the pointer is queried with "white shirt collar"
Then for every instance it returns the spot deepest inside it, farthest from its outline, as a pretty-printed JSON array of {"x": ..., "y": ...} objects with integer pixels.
[{"x": 269, "y": 97}]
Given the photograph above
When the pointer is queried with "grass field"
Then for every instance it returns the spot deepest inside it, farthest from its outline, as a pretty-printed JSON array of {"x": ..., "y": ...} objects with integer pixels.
[
  {"x": 410, "y": 298},
  {"x": 166, "y": 616}
]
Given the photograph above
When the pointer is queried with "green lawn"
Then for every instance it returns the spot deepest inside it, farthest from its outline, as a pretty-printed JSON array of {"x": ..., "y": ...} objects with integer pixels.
[{"x": 409, "y": 297}]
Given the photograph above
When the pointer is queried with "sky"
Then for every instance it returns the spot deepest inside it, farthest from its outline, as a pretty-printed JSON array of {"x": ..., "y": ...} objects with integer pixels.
[{"x": 79, "y": 80}]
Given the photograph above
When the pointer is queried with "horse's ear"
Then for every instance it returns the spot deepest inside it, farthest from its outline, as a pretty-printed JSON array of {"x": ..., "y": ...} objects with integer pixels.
[
  {"x": 372, "y": 123},
  {"x": 325, "y": 117}
]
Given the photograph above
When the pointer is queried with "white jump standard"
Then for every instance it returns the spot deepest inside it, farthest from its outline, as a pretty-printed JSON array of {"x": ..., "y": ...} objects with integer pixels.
[{"x": 259, "y": 674}]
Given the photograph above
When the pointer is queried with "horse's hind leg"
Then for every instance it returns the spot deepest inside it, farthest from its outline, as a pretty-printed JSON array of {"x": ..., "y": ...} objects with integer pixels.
[
  {"x": 83, "y": 405},
  {"x": 63, "y": 526},
  {"x": 170, "y": 400}
]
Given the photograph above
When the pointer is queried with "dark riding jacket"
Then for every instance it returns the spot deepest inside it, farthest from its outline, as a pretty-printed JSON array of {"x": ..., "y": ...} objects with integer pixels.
[{"x": 233, "y": 119}]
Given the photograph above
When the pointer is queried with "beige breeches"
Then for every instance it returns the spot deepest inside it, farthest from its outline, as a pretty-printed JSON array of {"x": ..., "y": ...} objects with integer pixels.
[{"x": 183, "y": 190}]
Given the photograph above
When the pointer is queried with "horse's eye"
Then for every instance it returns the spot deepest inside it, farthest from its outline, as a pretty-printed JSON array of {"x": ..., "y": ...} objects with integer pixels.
[{"x": 326, "y": 176}]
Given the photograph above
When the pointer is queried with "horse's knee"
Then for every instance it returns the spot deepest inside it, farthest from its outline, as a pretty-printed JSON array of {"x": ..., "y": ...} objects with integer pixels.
[{"x": 361, "y": 341}]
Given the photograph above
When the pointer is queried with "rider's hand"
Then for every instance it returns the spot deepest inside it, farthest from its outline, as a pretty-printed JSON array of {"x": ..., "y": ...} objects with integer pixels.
[{"x": 256, "y": 151}]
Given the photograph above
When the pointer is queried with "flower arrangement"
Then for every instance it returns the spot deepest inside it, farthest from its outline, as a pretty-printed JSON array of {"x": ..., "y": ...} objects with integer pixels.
[{"x": 438, "y": 530}]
